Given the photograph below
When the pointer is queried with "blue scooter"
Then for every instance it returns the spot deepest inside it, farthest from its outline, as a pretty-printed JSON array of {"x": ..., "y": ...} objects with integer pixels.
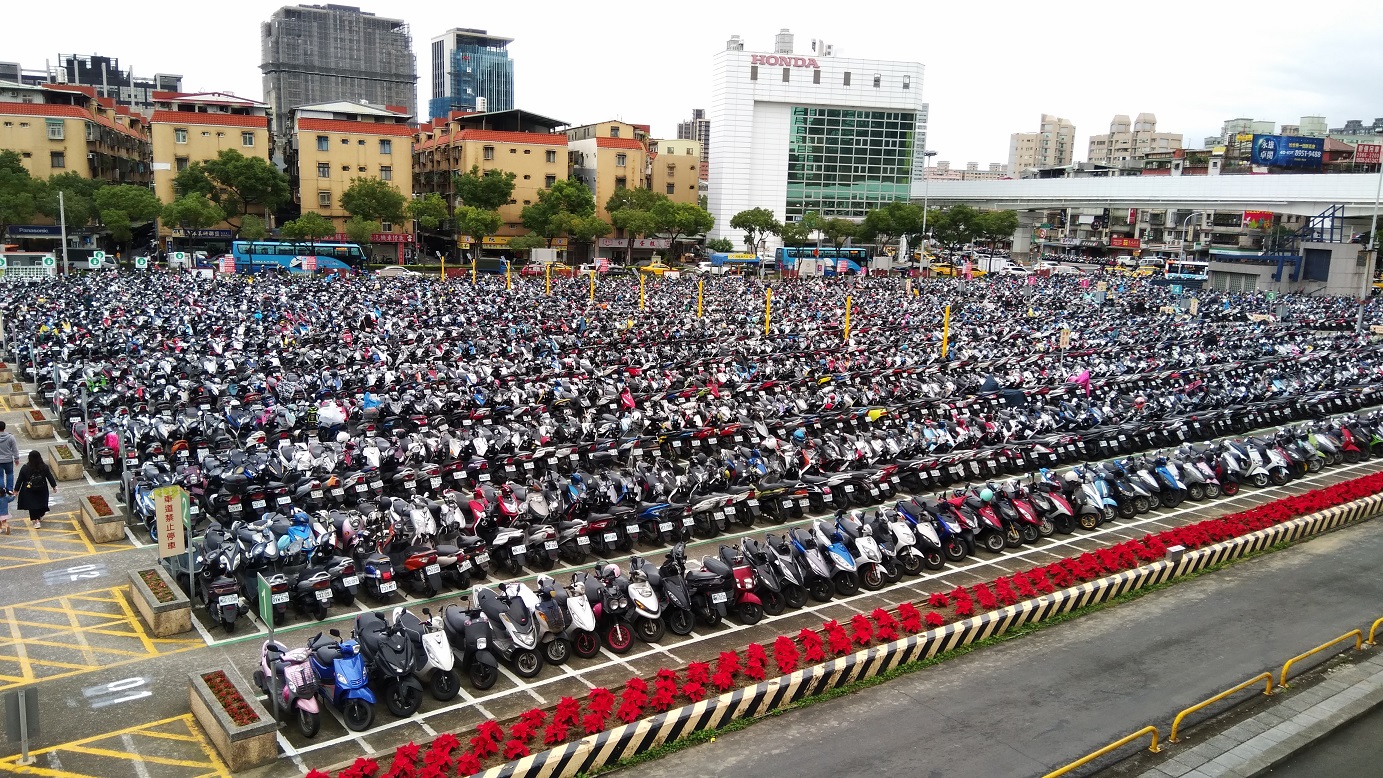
[{"x": 341, "y": 679}]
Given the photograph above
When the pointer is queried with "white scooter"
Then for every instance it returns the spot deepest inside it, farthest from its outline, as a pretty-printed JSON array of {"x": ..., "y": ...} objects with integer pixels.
[
  {"x": 439, "y": 670},
  {"x": 581, "y": 628}
]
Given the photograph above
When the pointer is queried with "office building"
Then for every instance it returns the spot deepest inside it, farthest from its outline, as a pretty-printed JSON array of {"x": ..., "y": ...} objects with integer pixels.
[
  {"x": 795, "y": 133},
  {"x": 697, "y": 128},
  {"x": 314, "y": 54},
  {"x": 103, "y": 74},
  {"x": 1127, "y": 143},
  {"x": 1052, "y": 146},
  {"x": 471, "y": 72}
]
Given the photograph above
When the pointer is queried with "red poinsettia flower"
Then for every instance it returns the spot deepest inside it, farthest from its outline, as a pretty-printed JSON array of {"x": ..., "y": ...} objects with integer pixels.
[
  {"x": 785, "y": 654},
  {"x": 600, "y": 701},
  {"x": 861, "y": 629},
  {"x": 910, "y": 618},
  {"x": 935, "y": 619},
  {"x": 693, "y": 691},
  {"x": 593, "y": 723},
  {"x": 469, "y": 764},
  {"x": 515, "y": 749},
  {"x": 699, "y": 672},
  {"x": 938, "y": 600}
]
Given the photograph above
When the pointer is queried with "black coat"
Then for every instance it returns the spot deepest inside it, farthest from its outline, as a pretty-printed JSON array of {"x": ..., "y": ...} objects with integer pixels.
[{"x": 34, "y": 499}]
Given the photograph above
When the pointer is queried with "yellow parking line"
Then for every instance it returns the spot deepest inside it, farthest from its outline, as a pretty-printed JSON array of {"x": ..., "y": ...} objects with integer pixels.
[
  {"x": 89, "y": 747},
  {"x": 169, "y": 736},
  {"x": 135, "y": 757},
  {"x": 129, "y": 613}
]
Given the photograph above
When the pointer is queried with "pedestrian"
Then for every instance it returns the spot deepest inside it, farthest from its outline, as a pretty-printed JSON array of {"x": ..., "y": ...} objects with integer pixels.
[
  {"x": 34, "y": 479},
  {"x": 4, "y": 512},
  {"x": 9, "y": 453}
]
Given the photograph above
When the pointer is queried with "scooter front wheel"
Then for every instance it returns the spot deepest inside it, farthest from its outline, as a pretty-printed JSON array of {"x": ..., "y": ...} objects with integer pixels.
[
  {"x": 1260, "y": 480},
  {"x": 773, "y": 601},
  {"x": 557, "y": 651},
  {"x": 1046, "y": 527},
  {"x": 527, "y": 664},
  {"x": 795, "y": 596},
  {"x": 403, "y": 701},
  {"x": 679, "y": 621},
  {"x": 871, "y": 578},
  {"x": 847, "y": 583},
  {"x": 358, "y": 714},
  {"x": 821, "y": 590},
  {"x": 954, "y": 550},
  {"x": 483, "y": 676},
  {"x": 1229, "y": 488},
  {"x": 445, "y": 685},
  {"x": 586, "y": 644},
  {"x": 619, "y": 638},
  {"x": 649, "y": 630},
  {"x": 308, "y": 722},
  {"x": 1089, "y": 521}
]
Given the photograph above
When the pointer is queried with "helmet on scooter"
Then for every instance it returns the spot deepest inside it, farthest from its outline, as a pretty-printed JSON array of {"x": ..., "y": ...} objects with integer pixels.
[
  {"x": 986, "y": 495},
  {"x": 610, "y": 571}
]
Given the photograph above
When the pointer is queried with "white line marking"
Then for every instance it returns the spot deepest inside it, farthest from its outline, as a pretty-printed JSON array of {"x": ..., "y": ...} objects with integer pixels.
[
  {"x": 290, "y": 752},
  {"x": 134, "y": 540},
  {"x": 138, "y": 764},
  {"x": 523, "y": 685}
]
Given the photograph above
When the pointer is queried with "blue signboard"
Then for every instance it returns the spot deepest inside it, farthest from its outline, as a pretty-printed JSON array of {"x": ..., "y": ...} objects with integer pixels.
[
  {"x": 1288, "y": 151},
  {"x": 34, "y": 231}
]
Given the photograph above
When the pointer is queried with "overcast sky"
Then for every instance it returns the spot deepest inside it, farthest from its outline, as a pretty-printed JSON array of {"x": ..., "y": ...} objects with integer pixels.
[{"x": 992, "y": 67}]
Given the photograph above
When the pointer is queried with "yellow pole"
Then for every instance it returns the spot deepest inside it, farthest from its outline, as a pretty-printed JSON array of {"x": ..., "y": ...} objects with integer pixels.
[
  {"x": 945, "y": 331},
  {"x": 444, "y": 267},
  {"x": 508, "y": 282},
  {"x": 593, "y": 285},
  {"x": 768, "y": 309},
  {"x": 472, "y": 269},
  {"x": 547, "y": 271},
  {"x": 700, "y": 285},
  {"x": 847, "y": 317},
  {"x": 642, "y": 277}
]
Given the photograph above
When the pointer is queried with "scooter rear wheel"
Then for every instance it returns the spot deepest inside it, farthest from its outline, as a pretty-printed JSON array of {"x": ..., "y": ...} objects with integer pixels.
[
  {"x": 445, "y": 684},
  {"x": 308, "y": 722},
  {"x": 483, "y": 676},
  {"x": 679, "y": 621},
  {"x": 649, "y": 630},
  {"x": 358, "y": 714}
]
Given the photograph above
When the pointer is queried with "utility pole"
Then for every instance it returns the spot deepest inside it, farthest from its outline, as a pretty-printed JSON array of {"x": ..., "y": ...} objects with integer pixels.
[
  {"x": 1369, "y": 255},
  {"x": 62, "y": 226}
]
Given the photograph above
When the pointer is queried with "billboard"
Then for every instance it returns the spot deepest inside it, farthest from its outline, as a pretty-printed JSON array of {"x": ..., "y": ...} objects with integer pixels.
[
  {"x": 1368, "y": 153},
  {"x": 1288, "y": 151},
  {"x": 1124, "y": 242},
  {"x": 1258, "y": 220}
]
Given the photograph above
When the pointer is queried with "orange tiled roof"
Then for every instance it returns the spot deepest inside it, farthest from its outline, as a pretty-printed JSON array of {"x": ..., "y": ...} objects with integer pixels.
[
  {"x": 212, "y": 119},
  {"x": 108, "y": 102},
  {"x": 89, "y": 91},
  {"x": 617, "y": 143},
  {"x": 499, "y": 136},
  {"x": 361, "y": 128},
  {"x": 64, "y": 111}
]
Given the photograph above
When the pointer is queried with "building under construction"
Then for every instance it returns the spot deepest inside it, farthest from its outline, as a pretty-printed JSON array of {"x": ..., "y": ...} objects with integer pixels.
[{"x": 325, "y": 53}]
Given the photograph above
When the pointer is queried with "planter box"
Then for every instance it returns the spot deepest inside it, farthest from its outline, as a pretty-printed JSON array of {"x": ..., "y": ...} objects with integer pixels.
[
  {"x": 38, "y": 429},
  {"x": 102, "y": 529},
  {"x": 164, "y": 618},
  {"x": 69, "y": 469},
  {"x": 15, "y": 396},
  {"x": 6, "y": 372},
  {"x": 243, "y": 747}
]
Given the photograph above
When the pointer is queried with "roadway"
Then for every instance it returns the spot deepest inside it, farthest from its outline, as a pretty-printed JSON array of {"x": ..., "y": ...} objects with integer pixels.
[{"x": 1027, "y": 706}]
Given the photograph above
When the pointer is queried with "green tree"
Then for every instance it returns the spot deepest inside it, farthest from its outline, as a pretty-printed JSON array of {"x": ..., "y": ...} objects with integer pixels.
[
  {"x": 121, "y": 207},
  {"x": 886, "y": 225},
  {"x": 955, "y": 226},
  {"x": 429, "y": 210},
  {"x": 487, "y": 191},
  {"x": 837, "y": 231},
  {"x": 524, "y": 244},
  {"x": 678, "y": 220},
  {"x": 192, "y": 212},
  {"x": 309, "y": 228},
  {"x": 252, "y": 228},
  {"x": 374, "y": 200},
  {"x": 78, "y": 200},
  {"x": 720, "y": 245},
  {"x": 585, "y": 229},
  {"x": 18, "y": 191},
  {"x": 236, "y": 183},
  {"x": 756, "y": 223},
  {"x": 359, "y": 229},
  {"x": 477, "y": 222},
  {"x": 794, "y": 234},
  {"x": 564, "y": 197},
  {"x": 637, "y": 199},
  {"x": 996, "y": 226}
]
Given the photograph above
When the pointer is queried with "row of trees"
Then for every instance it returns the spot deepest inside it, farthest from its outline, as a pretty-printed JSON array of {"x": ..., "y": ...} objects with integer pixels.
[
  {"x": 117, "y": 208},
  {"x": 952, "y": 227}
]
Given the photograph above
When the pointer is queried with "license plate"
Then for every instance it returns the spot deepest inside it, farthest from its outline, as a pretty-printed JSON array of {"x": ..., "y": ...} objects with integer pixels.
[
  {"x": 582, "y": 540},
  {"x": 465, "y": 422},
  {"x": 575, "y": 457},
  {"x": 527, "y": 465},
  {"x": 552, "y": 460},
  {"x": 638, "y": 452},
  {"x": 284, "y": 500},
  {"x": 893, "y": 479},
  {"x": 316, "y": 494},
  {"x": 517, "y": 549},
  {"x": 803, "y": 503},
  {"x": 278, "y": 599},
  {"x": 712, "y": 441},
  {"x": 849, "y": 488},
  {"x": 436, "y": 481},
  {"x": 550, "y": 545},
  {"x": 227, "y": 599},
  {"x": 376, "y": 484},
  {"x": 1123, "y": 437},
  {"x": 338, "y": 492},
  {"x": 739, "y": 438},
  {"x": 719, "y": 597},
  {"x": 489, "y": 421},
  {"x": 753, "y": 503},
  {"x": 787, "y": 503},
  {"x": 936, "y": 473},
  {"x": 323, "y": 595},
  {"x": 257, "y": 504},
  {"x": 676, "y": 444},
  {"x": 464, "y": 565},
  {"x": 351, "y": 580},
  {"x": 410, "y": 484},
  {"x": 458, "y": 475},
  {"x": 361, "y": 487},
  {"x": 234, "y": 507},
  {"x": 433, "y": 569},
  {"x": 664, "y": 526},
  {"x": 511, "y": 469},
  {"x": 481, "y": 559},
  {"x": 387, "y": 586},
  {"x": 720, "y": 514},
  {"x": 132, "y": 462},
  {"x": 193, "y": 509},
  {"x": 610, "y": 537},
  {"x": 107, "y": 460},
  {"x": 484, "y": 476}
]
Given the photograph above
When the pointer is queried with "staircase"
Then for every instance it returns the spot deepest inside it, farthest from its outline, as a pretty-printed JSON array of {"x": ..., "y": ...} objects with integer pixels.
[{"x": 1326, "y": 227}]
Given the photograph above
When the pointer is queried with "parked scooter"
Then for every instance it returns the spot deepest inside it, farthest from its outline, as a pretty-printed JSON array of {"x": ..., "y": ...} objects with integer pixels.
[
  {"x": 342, "y": 679},
  {"x": 288, "y": 680}
]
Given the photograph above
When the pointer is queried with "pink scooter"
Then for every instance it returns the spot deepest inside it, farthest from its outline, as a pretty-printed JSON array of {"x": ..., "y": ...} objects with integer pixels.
[{"x": 293, "y": 682}]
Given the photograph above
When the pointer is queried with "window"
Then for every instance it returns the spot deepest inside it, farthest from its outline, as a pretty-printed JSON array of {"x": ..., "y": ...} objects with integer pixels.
[
  {"x": 489, "y": 152},
  {"x": 753, "y": 72},
  {"x": 513, "y": 151},
  {"x": 549, "y": 180},
  {"x": 526, "y": 177},
  {"x": 90, "y": 130},
  {"x": 847, "y": 78},
  {"x": 180, "y": 135},
  {"x": 345, "y": 141},
  {"x": 360, "y": 169},
  {"x": 55, "y": 129},
  {"x": 386, "y": 227},
  {"x": 58, "y": 159},
  {"x": 206, "y": 135},
  {"x": 247, "y": 139},
  {"x": 620, "y": 159},
  {"x": 878, "y": 80},
  {"x": 551, "y": 156},
  {"x": 671, "y": 170},
  {"x": 386, "y": 147},
  {"x": 614, "y": 132},
  {"x": 23, "y": 124},
  {"x": 345, "y": 168},
  {"x": 787, "y": 75},
  {"x": 324, "y": 199},
  {"x": 220, "y": 135},
  {"x": 360, "y": 142},
  {"x": 689, "y": 151},
  {"x": 11, "y": 124},
  {"x": 527, "y": 202},
  {"x": 816, "y": 76},
  {"x": 386, "y": 172},
  {"x": 671, "y": 188},
  {"x": 528, "y": 151},
  {"x": 619, "y": 182},
  {"x": 180, "y": 163},
  {"x": 323, "y": 170},
  {"x": 907, "y": 82},
  {"x": 323, "y": 143}
]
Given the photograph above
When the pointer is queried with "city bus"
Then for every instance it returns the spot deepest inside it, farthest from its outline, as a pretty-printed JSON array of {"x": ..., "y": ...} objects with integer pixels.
[
  {"x": 256, "y": 256},
  {"x": 1181, "y": 270},
  {"x": 856, "y": 259}
]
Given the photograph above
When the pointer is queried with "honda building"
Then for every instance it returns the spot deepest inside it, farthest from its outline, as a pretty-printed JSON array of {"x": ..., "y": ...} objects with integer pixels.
[{"x": 815, "y": 132}]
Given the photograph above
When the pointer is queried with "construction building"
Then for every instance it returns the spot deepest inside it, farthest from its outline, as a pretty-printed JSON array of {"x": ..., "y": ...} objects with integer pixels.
[
  {"x": 471, "y": 72},
  {"x": 316, "y": 54}
]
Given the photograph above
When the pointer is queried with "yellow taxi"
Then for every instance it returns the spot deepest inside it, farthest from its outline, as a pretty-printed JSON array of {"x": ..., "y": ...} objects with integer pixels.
[{"x": 656, "y": 267}]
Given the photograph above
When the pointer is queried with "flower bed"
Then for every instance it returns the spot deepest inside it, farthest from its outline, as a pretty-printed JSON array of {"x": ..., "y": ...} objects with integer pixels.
[
  {"x": 229, "y": 697},
  {"x": 157, "y": 587},
  {"x": 99, "y": 504},
  {"x": 37, "y": 415},
  {"x": 789, "y": 653},
  {"x": 64, "y": 451}
]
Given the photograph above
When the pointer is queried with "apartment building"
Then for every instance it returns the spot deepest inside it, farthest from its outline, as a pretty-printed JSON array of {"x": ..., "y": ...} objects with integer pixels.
[{"x": 334, "y": 143}]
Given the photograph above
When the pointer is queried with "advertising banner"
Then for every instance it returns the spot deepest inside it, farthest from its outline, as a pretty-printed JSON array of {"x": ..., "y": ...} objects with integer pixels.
[
  {"x": 1122, "y": 242},
  {"x": 1258, "y": 220},
  {"x": 1368, "y": 153},
  {"x": 1288, "y": 151}
]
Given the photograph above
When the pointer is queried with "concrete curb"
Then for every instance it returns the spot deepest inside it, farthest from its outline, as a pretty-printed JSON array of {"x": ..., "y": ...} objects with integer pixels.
[{"x": 624, "y": 741}]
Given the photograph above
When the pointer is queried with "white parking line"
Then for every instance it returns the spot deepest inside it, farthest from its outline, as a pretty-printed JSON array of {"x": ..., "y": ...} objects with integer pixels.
[
  {"x": 523, "y": 685},
  {"x": 134, "y": 540}
]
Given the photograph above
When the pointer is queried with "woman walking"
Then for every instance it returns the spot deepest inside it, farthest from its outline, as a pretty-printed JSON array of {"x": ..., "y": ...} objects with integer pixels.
[{"x": 33, "y": 481}]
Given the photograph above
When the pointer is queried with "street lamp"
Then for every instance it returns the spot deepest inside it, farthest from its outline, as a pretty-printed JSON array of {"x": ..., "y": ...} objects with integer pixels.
[
  {"x": 926, "y": 155},
  {"x": 1185, "y": 235}
]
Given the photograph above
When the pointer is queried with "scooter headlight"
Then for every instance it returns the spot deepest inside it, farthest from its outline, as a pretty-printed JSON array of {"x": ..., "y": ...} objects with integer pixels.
[
  {"x": 341, "y": 680},
  {"x": 624, "y": 602}
]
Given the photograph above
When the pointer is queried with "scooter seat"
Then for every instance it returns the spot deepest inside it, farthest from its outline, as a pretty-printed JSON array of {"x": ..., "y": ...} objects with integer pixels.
[
  {"x": 328, "y": 654},
  {"x": 703, "y": 577},
  {"x": 715, "y": 566},
  {"x": 446, "y": 549}
]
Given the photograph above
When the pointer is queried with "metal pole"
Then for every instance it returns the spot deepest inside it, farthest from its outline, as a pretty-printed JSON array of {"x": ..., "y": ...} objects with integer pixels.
[
  {"x": 1368, "y": 255},
  {"x": 24, "y": 758},
  {"x": 62, "y": 226},
  {"x": 925, "y": 157}
]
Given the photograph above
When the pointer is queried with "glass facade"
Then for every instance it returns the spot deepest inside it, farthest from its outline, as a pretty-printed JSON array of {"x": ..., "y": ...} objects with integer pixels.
[
  {"x": 477, "y": 70},
  {"x": 846, "y": 162}
]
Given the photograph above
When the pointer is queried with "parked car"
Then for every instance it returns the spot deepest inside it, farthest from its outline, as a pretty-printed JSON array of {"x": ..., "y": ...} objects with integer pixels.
[{"x": 396, "y": 271}]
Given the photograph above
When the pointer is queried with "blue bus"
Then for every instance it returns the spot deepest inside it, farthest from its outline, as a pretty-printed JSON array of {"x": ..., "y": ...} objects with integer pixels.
[
  {"x": 856, "y": 259},
  {"x": 255, "y": 256}
]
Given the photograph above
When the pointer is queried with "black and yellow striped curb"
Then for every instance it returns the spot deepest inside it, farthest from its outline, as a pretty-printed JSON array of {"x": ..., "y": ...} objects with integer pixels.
[{"x": 622, "y": 742}]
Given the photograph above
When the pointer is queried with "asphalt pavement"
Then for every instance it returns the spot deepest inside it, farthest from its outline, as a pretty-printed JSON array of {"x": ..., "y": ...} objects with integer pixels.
[{"x": 1030, "y": 705}]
